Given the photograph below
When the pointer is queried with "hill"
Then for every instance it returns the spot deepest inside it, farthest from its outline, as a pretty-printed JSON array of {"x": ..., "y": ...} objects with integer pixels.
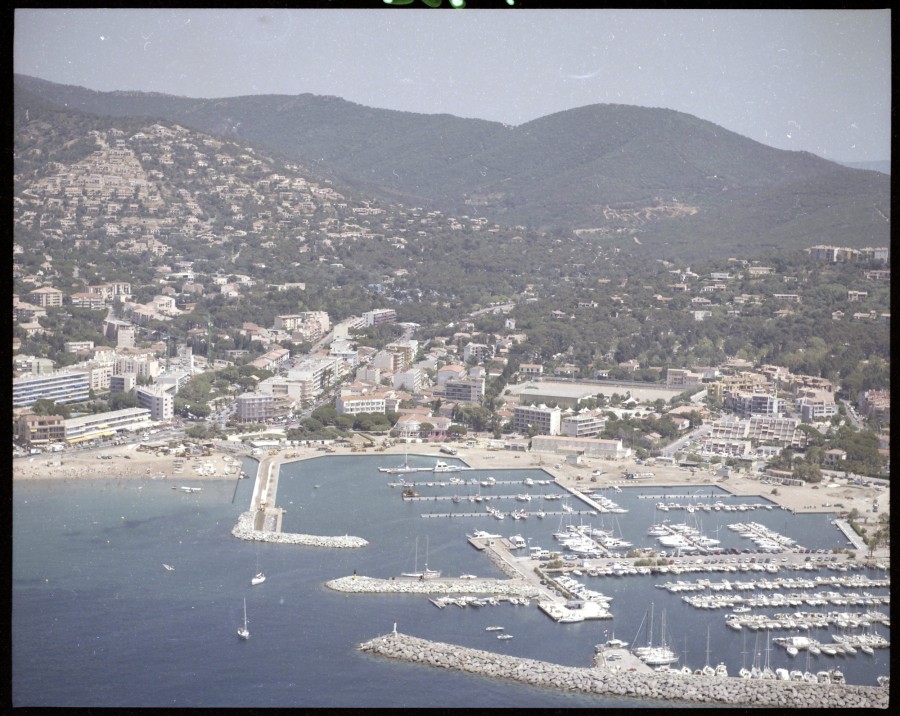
[{"x": 669, "y": 183}]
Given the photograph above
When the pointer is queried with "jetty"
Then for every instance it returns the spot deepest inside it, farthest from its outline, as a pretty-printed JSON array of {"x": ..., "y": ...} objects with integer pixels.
[{"x": 638, "y": 684}]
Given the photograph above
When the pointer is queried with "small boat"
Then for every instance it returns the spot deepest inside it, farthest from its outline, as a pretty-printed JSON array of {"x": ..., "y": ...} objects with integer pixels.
[
  {"x": 504, "y": 636},
  {"x": 169, "y": 567},
  {"x": 258, "y": 579},
  {"x": 494, "y": 628},
  {"x": 190, "y": 489},
  {"x": 243, "y": 632}
]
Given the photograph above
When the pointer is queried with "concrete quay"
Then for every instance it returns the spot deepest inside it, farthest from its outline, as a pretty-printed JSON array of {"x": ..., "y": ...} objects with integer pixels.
[
  {"x": 655, "y": 686},
  {"x": 371, "y": 585},
  {"x": 245, "y": 529}
]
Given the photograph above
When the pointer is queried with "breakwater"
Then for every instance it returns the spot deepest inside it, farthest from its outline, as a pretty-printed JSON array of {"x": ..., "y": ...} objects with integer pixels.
[
  {"x": 244, "y": 529},
  {"x": 646, "y": 686},
  {"x": 370, "y": 585}
]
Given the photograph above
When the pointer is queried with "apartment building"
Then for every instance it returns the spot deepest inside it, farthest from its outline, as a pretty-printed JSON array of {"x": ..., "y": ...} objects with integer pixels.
[
  {"x": 584, "y": 425},
  {"x": 467, "y": 390},
  {"x": 379, "y": 316},
  {"x": 350, "y": 403},
  {"x": 46, "y": 297},
  {"x": 59, "y": 386},
  {"x": 254, "y": 407},
  {"x": 158, "y": 401},
  {"x": 101, "y": 425},
  {"x": 477, "y": 352},
  {"x": 545, "y": 420},
  {"x": 41, "y": 430}
]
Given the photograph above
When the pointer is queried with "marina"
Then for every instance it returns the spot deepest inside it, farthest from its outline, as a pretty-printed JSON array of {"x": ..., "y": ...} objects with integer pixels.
[{"x": 557, "y": 613}]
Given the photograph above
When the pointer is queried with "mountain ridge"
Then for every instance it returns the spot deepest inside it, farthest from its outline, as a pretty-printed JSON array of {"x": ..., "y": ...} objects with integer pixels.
[{"x": 696, "y": 185}]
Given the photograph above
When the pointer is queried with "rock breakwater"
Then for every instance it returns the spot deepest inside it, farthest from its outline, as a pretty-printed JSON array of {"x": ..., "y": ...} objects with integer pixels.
[
  {"x": 244, "y": 530},
  {"x": 372, "y": 585},
  {"x": 647, "y": 686}
]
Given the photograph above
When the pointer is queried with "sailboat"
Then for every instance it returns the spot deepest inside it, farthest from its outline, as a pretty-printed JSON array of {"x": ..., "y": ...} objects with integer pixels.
[
  {"x": 260, "y": 577},
  {"x": 425, "y": 573},
  {"x": 708, "y": 670},
  {"x": 243, "y": 631},
  {"x": 655, "y": 654},
  {"x": 405, "y": 467}
]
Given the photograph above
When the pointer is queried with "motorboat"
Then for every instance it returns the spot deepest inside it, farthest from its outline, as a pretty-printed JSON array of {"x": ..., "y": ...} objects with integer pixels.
[
  {"x": 258, "y": 579},
  {"x": 504, "y": 636},
  {"x": 169, "y": 567},
  {"x": 494, "y": 628}
]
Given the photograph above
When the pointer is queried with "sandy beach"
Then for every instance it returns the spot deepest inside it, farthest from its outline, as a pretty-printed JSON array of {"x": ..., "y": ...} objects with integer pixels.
[{"x": 127, "y": 461}]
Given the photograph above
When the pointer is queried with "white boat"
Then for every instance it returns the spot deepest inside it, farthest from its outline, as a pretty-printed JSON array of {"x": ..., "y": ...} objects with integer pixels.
[
  {"x": 655, "y": 654},
  {"x": 243, "y": 632},
  {"x": 481, "y": 534},
  {"x": 441, "y": 466},
  {"x": 258, "y": 579},
  {"x": 425, "y": 573},
  {"x": 190, "y": 489},
  {"x": 169, "y": 567},
  {"x": 494, "y": 628},
  {"x": 404, "y": 468},
  {"x": 504, "y": 636}
]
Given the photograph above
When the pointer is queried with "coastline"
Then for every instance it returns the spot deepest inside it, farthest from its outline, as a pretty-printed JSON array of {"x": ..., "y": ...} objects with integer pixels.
[{"x": 127, "y": 462}]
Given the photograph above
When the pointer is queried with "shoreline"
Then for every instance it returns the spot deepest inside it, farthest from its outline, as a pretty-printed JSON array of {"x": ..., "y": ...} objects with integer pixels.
[{"x": 829, "y": 496}]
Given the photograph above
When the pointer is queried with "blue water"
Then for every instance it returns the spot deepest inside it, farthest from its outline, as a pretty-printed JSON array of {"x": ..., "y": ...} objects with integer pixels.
[{"x": 97, "y": 621}]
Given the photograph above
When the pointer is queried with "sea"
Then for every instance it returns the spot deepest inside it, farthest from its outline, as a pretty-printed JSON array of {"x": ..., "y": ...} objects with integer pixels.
[{"x": 98, "y": 621}]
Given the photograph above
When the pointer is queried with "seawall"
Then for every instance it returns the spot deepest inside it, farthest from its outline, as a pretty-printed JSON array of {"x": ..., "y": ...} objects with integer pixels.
[
  {"x": 372, "y": 585},
  {"x": 680, "y": 688},
  {"x": 244, "y": 530}
]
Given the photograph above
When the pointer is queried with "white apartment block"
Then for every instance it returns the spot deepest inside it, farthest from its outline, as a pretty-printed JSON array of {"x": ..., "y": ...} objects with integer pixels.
[
  {"x": 467, "y": 390},
  {"x": 102, "y": 425},
  {"x": 406, "y": 349},
  {"x": 546, "y": 420},
  {"x": 478, "y": 352},
  {"x": 411, "y": 380},
  {"x": 45, "y": 297},
  {"x": 159, "y": 402},
  {"x": 354, "y": 403},
  {"x": 144, "y": 366},
  {"x": 582, "y": 426},
  {"x": 60, "y": 387},
  {"x": 450, "y": 372},
  {"x": 387, "y": 361},
  {"x": 125, "y": 336},
  {"x": 122, "y": 383},
  {"x": 530, "y": 369},
  {"x": 379, "y": 316},
  {"x": 589, "y": 447}
]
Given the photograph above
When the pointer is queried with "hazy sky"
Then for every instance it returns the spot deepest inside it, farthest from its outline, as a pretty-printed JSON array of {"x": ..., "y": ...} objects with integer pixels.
[{"x": 817, "y": 80}]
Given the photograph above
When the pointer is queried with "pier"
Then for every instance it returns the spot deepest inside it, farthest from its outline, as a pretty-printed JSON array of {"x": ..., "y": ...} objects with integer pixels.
[{"x": 850, "y": 534}]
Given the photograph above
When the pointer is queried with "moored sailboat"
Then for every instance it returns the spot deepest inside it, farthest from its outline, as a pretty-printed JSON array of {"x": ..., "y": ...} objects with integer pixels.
[{"x": 243, "y": 630}]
